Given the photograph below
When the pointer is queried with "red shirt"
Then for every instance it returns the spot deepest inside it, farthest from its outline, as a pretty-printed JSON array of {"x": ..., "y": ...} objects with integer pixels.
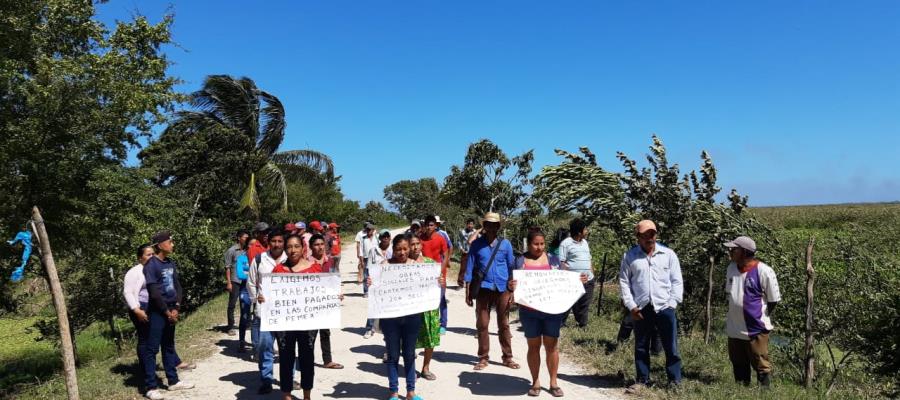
[
  {"x": 320, "y": 268},
  {"x": 315, "y": 268},
  {"x": 435, "y": 248},
  {"x": 254, "y": 250},
  {"x": 335, "y": 246}
]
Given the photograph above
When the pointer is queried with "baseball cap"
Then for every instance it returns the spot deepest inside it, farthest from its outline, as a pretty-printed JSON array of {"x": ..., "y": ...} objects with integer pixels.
[
  {"x": 491, "y": 217},
  {"x": 437, "y": 218},
  {"x": 160, "y": 237},
  {"x": 316, "y": 225},
  {"x": 369, "y": 225},
  {"x": 290, "y": 227},
  {"x": 260, "y": 226},
  {"x": 743, "y": 242},
  {"x": 333, "y": 225},
  {"x": 300, "y": 225},
  {"x": 415, "y": 222},
  {"x": 646, "y": 225},
  {"x": 384, "y": 232}
]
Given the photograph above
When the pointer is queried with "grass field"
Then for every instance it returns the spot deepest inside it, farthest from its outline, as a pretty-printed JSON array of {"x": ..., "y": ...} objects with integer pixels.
[{"x": 30, "y": 370}]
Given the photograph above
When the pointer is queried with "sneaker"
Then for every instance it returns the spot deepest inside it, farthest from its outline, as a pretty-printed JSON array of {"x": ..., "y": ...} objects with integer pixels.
[
  {"x": 635, "y": 389},
  {"x": 443, "y": 331},
  {"x": 181, "y": 385},
  {"x": 297, "y": 386},
  {"x": 368, "y": 334},
  {"x": 232, "y": 332},
  {"x": 154, "y": 394},
  {"x": 384, "y": 357}
]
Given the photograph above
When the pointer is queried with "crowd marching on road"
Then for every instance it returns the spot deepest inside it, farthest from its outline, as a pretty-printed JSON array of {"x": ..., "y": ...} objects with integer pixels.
[{"x": 649, "y": 278}]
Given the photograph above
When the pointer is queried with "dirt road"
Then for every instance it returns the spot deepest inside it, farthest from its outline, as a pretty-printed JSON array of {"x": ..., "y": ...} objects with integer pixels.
[{"x": 230, "y": 375}]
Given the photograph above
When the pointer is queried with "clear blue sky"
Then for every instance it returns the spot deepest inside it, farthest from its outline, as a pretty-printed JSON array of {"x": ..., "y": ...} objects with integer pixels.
[{"x": 798, "y": 102}]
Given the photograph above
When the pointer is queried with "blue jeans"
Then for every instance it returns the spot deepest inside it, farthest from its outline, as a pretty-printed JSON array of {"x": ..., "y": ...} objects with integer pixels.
[
  {"x": 366, "y": 276},
  {"x": 400, "y": 334},
  {"x": 244, "y": 323},
  {"x": 161, "y": 333},
  {"x": 666, "y": 324},
  {"x": 141, "y": 330},
  {"x": 443, "y": 307},
  {"x": 264, "y": 346}
]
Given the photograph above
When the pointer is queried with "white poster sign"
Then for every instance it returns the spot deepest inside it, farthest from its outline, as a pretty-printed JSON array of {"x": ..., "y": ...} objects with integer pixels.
[
  {"x": 550, "y": 291},
  {"x": 403, "y": 289},
  {"x": 300, "y": 302}
]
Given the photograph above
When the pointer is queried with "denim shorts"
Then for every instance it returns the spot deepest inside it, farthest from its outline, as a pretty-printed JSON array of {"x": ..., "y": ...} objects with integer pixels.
[{"x": 539, "y": 324}]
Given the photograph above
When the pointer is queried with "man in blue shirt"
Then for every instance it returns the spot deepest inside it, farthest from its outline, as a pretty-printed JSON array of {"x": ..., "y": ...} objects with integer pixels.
[
  {"x": 492, "y": 290},
  {"x": 165, "y": 295},
  {"x": 652, "y": 287}
]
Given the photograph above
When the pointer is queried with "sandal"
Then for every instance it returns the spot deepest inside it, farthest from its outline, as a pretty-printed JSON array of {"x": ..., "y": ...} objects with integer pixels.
[
  {"x": 556, "y": 391},
  {"x": 481, "y": 365},
  {"x": 511, "y": 364},
  {"x": 428, "y": 375},
  {"x": 334, "y": 365},
  {"x": 534, "y": 391}
]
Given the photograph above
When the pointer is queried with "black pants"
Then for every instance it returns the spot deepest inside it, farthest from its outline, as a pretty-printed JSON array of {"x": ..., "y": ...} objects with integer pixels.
[
  {"x": 300, "y": 346},
  {"x": 582, "y": 305},
  {"x": 325, "y": 343},
  {"x": 233, "y": 297}
]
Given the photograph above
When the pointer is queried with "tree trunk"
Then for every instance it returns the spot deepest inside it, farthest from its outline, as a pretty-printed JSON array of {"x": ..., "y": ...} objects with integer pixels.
[
  {"x": 59, "y": 302},
  {"x": 601, "y": 280},
  {"x": 709, "y": 290},
  {"x": 809, "y": 348}
]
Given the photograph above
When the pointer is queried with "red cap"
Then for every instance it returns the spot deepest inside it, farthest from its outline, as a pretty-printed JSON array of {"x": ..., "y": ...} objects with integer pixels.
[
  {"x": 290, "y": 227},
  {"x": 333, "y": 225},
  {"x": 316, "y": 225}
]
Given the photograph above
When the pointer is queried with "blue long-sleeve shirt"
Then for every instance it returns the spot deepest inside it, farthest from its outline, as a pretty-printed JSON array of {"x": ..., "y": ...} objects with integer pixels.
[{"x": 479, "y": 255}]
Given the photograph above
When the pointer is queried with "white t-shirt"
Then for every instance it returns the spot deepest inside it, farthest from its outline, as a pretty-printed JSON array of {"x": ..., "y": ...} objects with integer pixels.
[
  {"x": 367, "y": 245},
  {"x": 748, "y": 295},
  {"x": 359, "y": 237},
  {"x": 577, "y": 256}
]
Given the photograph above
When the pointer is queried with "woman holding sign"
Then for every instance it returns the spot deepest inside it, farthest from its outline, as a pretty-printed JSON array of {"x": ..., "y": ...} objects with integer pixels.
[
  {"x": 290, "y": 343},
  {"x": 430, "y": 333},
  {"x": 401, "y": 333},
  {"x": 540, "y": 327}
]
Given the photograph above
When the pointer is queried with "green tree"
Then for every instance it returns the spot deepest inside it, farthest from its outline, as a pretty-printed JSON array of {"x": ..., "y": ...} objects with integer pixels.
[
  {"x": 74, "y": 97},
  {"x": 240, "y": 128},
  {"x": 489, "y": 180},
  {"x": 414, "y": 199}
]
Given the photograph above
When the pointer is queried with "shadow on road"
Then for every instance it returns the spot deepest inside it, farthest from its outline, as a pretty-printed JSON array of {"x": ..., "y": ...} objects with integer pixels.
[
  {"x": 593, "y": 381},
  {"x": 374, "y": 350},
  {"x": 489, "y": 384},
  {"x": 347, "y": 390}
]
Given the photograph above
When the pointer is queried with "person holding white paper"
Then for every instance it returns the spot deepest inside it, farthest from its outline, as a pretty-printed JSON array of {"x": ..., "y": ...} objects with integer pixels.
[
  {"x": 400, "y": 333},
  {"x": 540, "y": 327},
  {"x": 299, "y": 345}
]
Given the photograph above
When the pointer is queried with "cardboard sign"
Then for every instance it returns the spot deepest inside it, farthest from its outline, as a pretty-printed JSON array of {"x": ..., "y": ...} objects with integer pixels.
[
  {"x": 550, "y": 291},
  {"x": 403, "y": 289},
  {"x": 300, "y": 302}
]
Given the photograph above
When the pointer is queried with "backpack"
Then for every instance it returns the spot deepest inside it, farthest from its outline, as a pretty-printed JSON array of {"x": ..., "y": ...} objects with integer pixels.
[{"x": 242, "y": 266}]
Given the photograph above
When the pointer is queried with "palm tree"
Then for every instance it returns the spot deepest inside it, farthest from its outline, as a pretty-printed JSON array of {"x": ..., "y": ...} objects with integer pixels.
[{"x": 239, "y": 107}]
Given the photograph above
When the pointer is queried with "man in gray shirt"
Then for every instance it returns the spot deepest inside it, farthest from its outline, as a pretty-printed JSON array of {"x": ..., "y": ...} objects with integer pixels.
[
  {"x": 575, "y": 255},
  {"x": 232, "y": 281}
]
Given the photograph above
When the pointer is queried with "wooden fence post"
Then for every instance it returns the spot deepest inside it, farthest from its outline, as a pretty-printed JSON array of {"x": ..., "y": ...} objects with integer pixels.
[
  {"x": 602, "y": 280},
  {"x": 810, "y": 367},
  {"x": 59, "y": 302},
  {"x": 709, "y": 290}
]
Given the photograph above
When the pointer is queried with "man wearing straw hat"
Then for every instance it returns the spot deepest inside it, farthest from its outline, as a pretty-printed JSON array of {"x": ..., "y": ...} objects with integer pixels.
[{"x": 488, "y": 272}]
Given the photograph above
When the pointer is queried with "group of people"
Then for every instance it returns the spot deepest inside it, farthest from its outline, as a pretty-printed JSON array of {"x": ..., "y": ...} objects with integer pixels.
[{"x": 649, "y": 278}]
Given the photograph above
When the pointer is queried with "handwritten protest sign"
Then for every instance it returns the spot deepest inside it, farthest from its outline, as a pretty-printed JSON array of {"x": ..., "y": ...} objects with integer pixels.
[
  {"x": 300, "y": 302},
  {"x": 551, "y": 291},
  {"x": 403, "y": 289}
]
